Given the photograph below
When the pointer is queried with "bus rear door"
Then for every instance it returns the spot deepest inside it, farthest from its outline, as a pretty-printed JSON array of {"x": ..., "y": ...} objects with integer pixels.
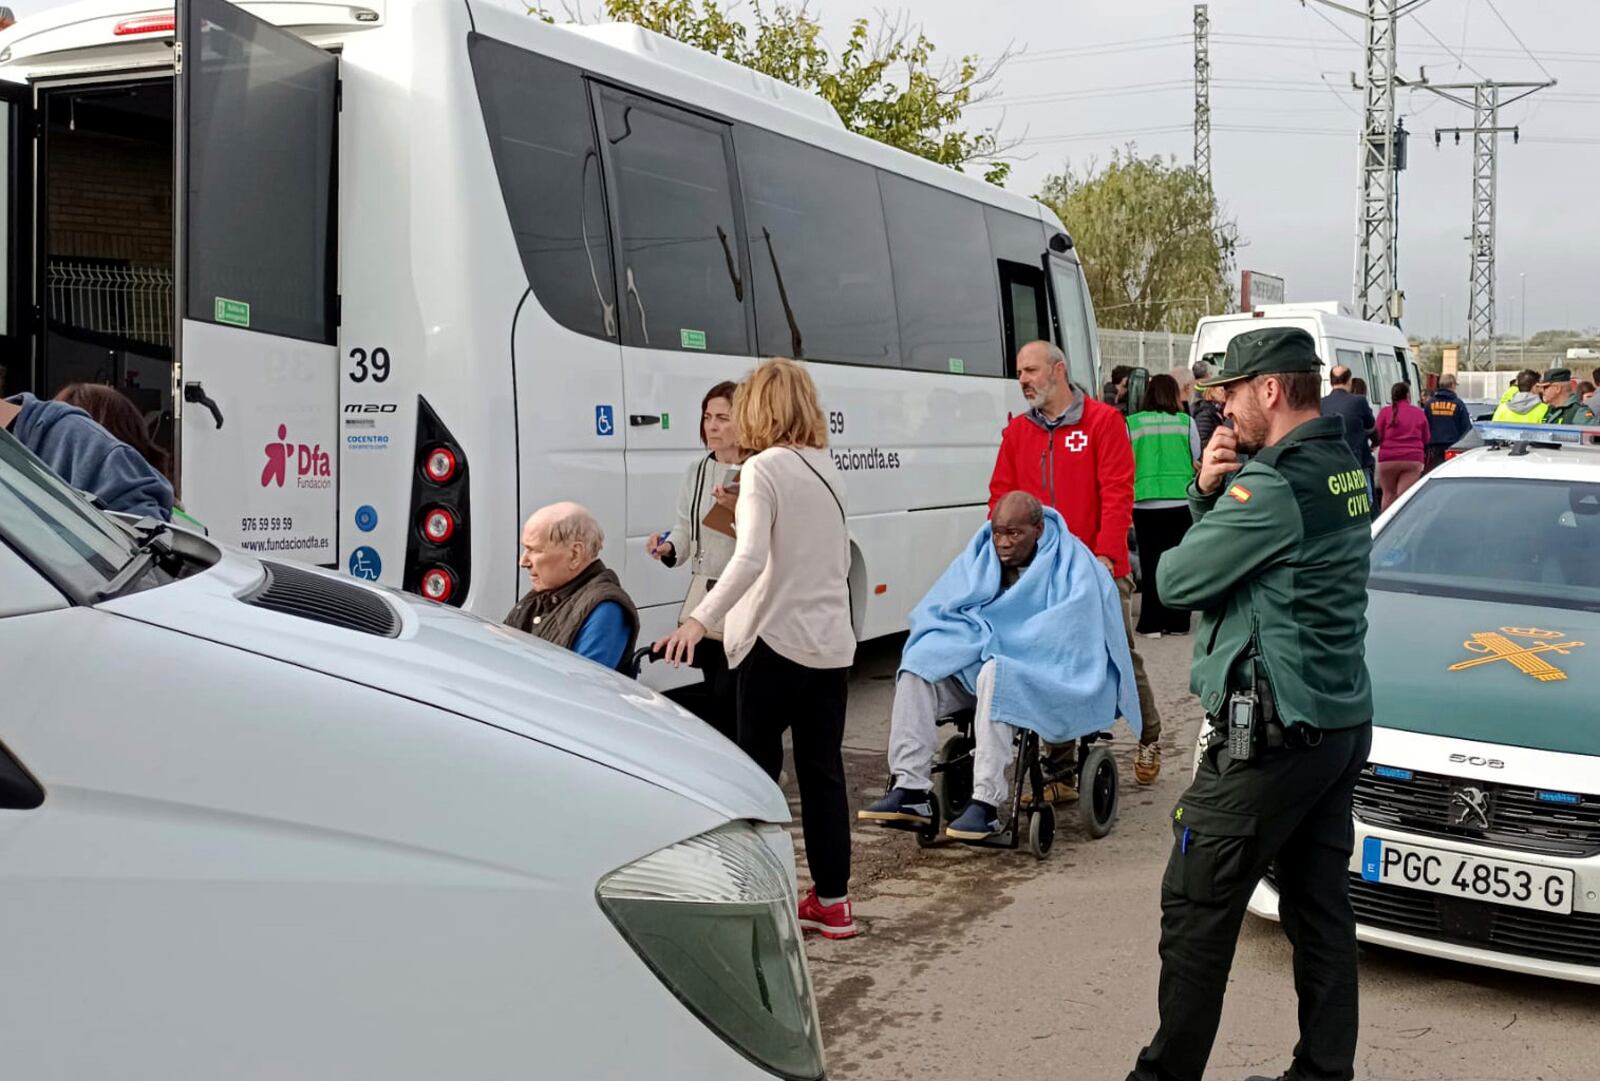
[
  {"x": 16, "y": 239},
  {"x": 257, "y": 112}
]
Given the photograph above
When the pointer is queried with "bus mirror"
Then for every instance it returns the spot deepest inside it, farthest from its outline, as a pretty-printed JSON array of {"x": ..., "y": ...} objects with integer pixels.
[{"x": 1061, "y": 243}]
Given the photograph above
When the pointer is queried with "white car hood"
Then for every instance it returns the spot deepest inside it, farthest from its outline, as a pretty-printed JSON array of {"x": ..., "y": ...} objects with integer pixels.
[{"x": 457, "y": 662}]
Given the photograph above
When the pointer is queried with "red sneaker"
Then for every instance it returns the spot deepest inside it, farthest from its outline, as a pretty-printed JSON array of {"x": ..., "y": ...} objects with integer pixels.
[{"x": 830, "y": 921}]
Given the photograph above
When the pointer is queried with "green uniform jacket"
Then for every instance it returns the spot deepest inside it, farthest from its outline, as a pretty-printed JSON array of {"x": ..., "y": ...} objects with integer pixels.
[
  {"x": 1279, "y": 557},
  {"x": 1574, "y": 412}
]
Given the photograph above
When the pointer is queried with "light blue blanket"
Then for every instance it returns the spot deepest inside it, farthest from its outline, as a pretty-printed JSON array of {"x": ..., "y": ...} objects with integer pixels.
[{"x": 1062, "y": 665}]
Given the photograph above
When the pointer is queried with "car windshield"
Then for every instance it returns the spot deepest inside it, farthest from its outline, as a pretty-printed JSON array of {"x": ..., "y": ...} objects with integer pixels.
[
  {"x": 1538, "y": 543},
  {"x": 53, "y": 527}
]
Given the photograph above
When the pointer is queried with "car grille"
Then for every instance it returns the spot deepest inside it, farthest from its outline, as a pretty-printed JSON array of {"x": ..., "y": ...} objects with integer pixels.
[
  {"x": 1518, "y": 818},
  {"x": 302, "y": 593},
  {"x": 1546, "y": 936}
]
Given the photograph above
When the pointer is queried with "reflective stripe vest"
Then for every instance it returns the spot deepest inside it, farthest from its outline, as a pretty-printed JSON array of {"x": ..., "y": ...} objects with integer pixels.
[
  {"x": 1506, "y": 415},
  {"x": 1163, "y": 464}
]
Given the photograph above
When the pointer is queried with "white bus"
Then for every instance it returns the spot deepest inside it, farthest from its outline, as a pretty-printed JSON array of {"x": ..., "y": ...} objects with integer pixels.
[{"x": 371, "y": 266}]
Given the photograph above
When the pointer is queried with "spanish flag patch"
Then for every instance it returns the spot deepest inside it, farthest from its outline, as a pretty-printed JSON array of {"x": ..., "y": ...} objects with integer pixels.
[{"x": 1240, "y": 492}]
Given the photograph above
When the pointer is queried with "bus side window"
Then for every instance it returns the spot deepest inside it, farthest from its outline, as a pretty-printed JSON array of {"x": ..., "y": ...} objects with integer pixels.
[
  {"x": 1017, "y": 246},
  {"x": 685, "y": 277},
  {"x": 1024, "y": 309},
  {"x": 819, "y": 252},
  {"x": 540, "y": 133},
  {"x": 944, "y": 284}
]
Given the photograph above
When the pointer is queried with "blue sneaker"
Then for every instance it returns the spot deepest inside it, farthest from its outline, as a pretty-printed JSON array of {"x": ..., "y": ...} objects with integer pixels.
[
  {"x": 978, "y": 822},
  {"x": 900, "y": 806}
]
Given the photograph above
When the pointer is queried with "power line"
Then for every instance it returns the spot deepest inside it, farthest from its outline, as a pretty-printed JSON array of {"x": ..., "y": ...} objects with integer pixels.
[
  {"x": 1461, "y": 60},
  {"x": 1109, "y": 133},
  {"x": 1515, "y": 37},
  {"x": 1086, "y": 94},
  {"x": 1109, "y": 48}
]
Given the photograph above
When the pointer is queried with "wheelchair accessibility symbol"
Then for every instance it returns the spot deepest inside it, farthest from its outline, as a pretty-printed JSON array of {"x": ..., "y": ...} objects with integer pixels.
[
  {"x": 602, "y": 421},
  {"x": 365, "y": 564}
]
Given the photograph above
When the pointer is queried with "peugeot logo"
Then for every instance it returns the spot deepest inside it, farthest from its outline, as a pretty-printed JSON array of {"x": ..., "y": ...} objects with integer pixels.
[{"x": 1469, "y": 807}]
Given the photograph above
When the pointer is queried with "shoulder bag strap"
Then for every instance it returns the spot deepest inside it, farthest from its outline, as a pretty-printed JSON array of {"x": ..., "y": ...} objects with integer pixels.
[
  {"x": 844, "y": 519},
  {"x": 694, "y": 514}
]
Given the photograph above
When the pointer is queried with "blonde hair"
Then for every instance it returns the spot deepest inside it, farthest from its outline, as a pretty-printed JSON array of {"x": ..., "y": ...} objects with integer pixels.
[{"x": 776, "y": 406}]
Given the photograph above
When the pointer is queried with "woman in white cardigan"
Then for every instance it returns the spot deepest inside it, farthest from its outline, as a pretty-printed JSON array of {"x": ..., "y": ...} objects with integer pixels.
[
  {"x": 784, "y": 603},
  {"x": 706, "y": 550}
]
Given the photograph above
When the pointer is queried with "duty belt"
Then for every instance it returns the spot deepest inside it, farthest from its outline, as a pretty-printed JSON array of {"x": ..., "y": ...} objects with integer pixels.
[{"x": 1271, "y": 735}]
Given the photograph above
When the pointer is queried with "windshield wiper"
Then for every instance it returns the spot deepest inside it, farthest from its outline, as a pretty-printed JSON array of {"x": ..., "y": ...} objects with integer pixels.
[{"x": 155, "y": 543}]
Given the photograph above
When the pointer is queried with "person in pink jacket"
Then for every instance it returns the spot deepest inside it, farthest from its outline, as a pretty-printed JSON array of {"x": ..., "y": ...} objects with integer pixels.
[{"x": 1403, "y": 429}]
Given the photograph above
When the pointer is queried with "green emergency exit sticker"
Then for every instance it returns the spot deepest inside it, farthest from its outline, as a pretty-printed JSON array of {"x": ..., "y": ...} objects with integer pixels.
[
  {"x": 957, "y": 366},
  {"x": 666, "y": 421},
  {"x": 692, "y": 339},
  {"x": 232, "y": 312}
]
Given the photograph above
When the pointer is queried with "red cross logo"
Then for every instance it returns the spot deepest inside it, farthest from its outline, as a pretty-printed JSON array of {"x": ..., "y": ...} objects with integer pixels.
[{"x": 1076, "y": 441}]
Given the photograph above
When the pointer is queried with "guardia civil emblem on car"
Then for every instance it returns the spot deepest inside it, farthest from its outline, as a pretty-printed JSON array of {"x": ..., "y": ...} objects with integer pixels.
[{"x": 1527, "y": 656}]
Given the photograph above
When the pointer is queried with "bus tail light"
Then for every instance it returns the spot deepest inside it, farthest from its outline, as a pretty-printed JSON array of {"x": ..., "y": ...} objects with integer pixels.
[
  {"x": 146, "y": 24},
  {"x": 438, "y": 525},
  {"x": 439, "y": 465},
  {"x": 439, "y": 544},
  {"x": 438, "y": 584}
]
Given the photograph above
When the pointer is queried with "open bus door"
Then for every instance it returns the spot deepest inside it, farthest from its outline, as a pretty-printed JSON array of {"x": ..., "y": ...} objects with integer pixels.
[
  {"x": 256, "y": 133},
  {"x": 18, "y": 128}
]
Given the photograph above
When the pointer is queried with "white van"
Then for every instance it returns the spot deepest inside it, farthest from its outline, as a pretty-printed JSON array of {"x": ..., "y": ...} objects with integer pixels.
[
  {"x": 259, "y": 820},
  {"x": 1377, "y": 353}
]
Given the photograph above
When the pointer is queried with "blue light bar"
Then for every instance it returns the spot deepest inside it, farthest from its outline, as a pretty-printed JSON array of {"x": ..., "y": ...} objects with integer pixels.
[
  {"x": 1395, "y": 773},
  {"x": 1568, "y": 798},
  {"x": 1569, "y": 434}
]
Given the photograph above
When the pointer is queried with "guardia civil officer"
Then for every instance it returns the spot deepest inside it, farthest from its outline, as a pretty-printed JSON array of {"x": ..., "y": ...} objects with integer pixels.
[{"x": 1276, "y": 562}]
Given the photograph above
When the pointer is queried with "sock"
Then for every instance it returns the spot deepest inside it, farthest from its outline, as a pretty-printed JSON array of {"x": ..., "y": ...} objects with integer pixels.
[{"x": 829, "y": 902}]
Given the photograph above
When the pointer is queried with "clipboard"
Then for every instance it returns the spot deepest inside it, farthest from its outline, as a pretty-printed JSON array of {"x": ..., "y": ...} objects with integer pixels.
[{"x": 720, "y": 519}]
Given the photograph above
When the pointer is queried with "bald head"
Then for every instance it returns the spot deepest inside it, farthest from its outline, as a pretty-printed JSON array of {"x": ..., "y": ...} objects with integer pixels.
[
  {"x": 1017, "y": 524},
  {"x": 558, "y": 542},
  {"x": 1339, "y": 376}
]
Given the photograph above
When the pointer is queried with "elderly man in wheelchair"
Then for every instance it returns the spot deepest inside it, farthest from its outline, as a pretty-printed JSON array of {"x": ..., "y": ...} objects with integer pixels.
[{"x": 1024, "y": 629}]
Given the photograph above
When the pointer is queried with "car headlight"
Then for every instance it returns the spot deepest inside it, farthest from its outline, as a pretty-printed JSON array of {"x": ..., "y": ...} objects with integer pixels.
[{"x": 714, "y": 918}]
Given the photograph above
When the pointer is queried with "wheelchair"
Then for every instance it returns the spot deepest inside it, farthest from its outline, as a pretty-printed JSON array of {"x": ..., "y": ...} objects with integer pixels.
[{"x": 1093, "y": 773}]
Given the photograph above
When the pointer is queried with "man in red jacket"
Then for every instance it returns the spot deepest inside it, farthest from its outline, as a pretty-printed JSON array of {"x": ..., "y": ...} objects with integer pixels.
[{"x": 1073, "y": 453}]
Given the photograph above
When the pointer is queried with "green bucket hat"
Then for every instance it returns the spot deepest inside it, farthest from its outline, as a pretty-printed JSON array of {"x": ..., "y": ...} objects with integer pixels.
[{"x": 1268, "y": 351}]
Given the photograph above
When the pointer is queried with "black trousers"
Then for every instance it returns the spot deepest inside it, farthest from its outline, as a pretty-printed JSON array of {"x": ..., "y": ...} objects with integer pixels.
[
  {"x": 776, "y": 694},
  {"x": 1158, "y": 532},
  {"x": 715, "y": 698},
  {"x": 1289, "y": 808}
]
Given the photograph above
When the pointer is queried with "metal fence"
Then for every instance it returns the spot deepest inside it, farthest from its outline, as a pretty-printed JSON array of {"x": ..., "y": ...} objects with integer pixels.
[
  {"x": 134, "y": 303},
  {"x": 1155, "y": 350}
]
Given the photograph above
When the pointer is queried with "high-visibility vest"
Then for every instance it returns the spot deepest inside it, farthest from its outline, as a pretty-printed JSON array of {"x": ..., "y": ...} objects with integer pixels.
[
  {"x": 1163, "y": 462},
  {"x": 1506, "y": 415}
]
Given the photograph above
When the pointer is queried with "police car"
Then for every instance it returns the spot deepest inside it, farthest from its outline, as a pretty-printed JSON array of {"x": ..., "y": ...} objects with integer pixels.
[{"x": 1477, "y": 817}]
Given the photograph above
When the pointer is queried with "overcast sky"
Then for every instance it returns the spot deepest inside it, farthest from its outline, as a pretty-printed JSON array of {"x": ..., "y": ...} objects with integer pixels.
[
  {"x": 1293, "y": 190},
  {"x": 1126, "y": 69}
]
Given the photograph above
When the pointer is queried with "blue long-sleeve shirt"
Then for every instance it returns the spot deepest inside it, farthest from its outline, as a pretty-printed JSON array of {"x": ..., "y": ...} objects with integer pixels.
[
  {"x": 604, "y": 635},
  {"x": 90, "y": 458}
]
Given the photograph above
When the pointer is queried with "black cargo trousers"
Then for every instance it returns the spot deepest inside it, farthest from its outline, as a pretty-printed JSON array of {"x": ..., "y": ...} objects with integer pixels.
[{"x": 1288, "y": 807}]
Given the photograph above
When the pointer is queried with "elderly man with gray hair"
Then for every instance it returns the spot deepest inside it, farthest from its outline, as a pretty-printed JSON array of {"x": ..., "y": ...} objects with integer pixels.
[{"x": 576, "y": 602}]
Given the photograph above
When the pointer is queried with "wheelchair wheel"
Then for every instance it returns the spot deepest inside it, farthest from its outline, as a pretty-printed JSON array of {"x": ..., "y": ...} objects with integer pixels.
[
  {"x": 1042, "y": 831},
  {"x": 1098, "y": 785},
  {"x": 929, "y": 835},
  {"x": 952, "y": 783}
]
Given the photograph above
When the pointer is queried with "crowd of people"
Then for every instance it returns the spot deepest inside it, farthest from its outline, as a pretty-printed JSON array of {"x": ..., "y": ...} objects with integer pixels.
[{"x": 761, "y": 524}]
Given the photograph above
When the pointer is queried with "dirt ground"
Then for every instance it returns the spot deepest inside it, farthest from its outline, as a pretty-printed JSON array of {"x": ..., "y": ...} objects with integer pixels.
[{"x": 976, "y": 963}]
